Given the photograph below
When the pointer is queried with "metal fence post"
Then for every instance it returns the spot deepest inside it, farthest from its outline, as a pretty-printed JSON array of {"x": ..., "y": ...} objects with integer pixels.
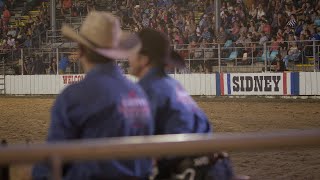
[
  {"x": 318, "y": 59},
  {"x": 219, "y": 57},
  {"x": 22, "y": 61},
  {"x": 4, "y": 169},
  {"x": 47, "y": 36},
  {"x": 56, "y": 164},
  {"x": 314, "y": 56},
  {"x": 39, "y": 40},
  {"x": 252, "y": 63},
  {"x": 57, "y": 55},
  {"x": 265, "y": 53}
]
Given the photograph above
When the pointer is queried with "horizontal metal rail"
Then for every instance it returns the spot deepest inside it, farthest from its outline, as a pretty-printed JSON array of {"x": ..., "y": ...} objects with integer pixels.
[{"x": 157, "y": 146}]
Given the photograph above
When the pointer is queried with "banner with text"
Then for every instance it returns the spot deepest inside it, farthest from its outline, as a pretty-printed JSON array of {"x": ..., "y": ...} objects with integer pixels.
[{"x": 259, "y": 84}]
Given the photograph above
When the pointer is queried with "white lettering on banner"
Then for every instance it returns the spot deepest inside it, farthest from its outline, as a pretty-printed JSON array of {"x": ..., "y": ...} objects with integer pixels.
[
  {"x": 256, "y": 84},
  {"x": 71, "y": 79}
]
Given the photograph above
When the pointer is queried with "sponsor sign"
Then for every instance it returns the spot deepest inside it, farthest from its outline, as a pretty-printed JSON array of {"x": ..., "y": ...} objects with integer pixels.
[
  {"x": 71, "y": 79},
  {"x": 253, "y": 84}
]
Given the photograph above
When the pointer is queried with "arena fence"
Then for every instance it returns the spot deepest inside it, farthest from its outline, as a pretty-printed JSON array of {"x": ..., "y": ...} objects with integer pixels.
[
  {"x": 217, "y": 84},
  {"x": 153, "y": 146},
  {"x": 203, "y": 58}
]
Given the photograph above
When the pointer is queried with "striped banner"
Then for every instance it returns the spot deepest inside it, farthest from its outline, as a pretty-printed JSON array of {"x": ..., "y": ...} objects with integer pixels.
[{"x": 284, "y": 84}]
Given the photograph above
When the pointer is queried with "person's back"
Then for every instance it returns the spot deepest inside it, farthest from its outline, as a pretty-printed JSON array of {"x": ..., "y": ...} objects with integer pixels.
[
  {"x": 174, "y": 111},
  {"x": 103, "y": 105}
]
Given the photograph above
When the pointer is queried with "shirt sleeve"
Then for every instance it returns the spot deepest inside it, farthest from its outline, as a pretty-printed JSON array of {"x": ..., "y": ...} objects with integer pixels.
[
  {"x": 61, "y": 127},
  {"x": 169, "y": 117}
]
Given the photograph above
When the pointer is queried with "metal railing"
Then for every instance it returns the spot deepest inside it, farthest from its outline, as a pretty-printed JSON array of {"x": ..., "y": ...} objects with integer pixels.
[
  {"x": 153, "y": 146},
  {"x": 202, "y": 58}
]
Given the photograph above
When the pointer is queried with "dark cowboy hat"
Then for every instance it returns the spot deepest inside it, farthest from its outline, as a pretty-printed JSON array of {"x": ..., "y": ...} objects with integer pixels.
[{"x": 156, "y": 46}]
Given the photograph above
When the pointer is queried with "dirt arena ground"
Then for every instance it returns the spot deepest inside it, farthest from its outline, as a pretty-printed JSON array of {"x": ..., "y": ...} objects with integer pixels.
[{"x": 28, "y": 118}]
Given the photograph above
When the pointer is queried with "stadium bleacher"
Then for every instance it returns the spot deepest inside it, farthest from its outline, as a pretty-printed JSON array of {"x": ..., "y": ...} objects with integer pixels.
[{"x": 245, "y": 26}]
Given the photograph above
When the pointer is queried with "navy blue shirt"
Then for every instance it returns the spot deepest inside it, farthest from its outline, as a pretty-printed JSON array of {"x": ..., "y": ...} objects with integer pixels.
[
  {"x": 173, "y": 110},
  {"x": 103, "y": 104}
]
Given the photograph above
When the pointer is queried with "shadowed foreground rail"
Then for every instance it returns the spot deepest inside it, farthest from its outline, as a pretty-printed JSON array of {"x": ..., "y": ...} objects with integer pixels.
[
  {"x": 153, "y": 146},
  {"x": 157, "y": 146}
]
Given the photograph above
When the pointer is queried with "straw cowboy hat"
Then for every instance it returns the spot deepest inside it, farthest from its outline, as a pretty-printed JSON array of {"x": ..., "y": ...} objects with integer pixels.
[{"x": 101, "y": 32}]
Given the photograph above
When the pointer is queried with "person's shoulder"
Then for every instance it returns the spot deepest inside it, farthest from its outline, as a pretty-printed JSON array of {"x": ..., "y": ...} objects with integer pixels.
[
  {"x": 70, "y": 90},
  {"x": 151, "y": 86}
]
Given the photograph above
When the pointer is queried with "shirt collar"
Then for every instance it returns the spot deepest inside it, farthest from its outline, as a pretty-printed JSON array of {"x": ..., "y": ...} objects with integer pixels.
[
  {"x": 151, "y": 74},
  {"x": 110, "y": 68}
]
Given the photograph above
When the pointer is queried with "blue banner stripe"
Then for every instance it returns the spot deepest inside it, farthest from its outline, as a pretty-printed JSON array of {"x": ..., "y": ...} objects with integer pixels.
[
  {"x": 229, "y": 84},
  {"x": 291, "y": 83},
  {"x": 295, "y": 83},
  {"x": 218, "y": 84}
]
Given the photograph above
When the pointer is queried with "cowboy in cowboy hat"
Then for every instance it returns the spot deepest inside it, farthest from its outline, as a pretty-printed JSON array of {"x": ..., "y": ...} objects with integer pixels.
[
  {"x": 173, "y": 109},
  {"x": 103, "y": 104}
]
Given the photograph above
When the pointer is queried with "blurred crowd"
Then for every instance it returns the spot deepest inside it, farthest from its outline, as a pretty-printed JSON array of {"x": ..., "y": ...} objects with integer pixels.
[
  {"x": 190, "y": 24},
  {"x": 77, "y": 7},
  {"x": 20, "y": 31},
  {"x": 187, "y": 21}
]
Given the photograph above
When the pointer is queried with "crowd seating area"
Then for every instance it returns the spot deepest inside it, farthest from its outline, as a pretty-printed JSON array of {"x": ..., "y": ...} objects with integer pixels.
[
  {"x": 21, "y": 22},
  {"x": 190, "y": 24}
]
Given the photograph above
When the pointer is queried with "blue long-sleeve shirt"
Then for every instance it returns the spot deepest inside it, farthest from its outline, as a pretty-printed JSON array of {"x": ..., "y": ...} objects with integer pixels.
[
  {"x": 173, "y": 110},
  {"x": 104, "y": 104}
]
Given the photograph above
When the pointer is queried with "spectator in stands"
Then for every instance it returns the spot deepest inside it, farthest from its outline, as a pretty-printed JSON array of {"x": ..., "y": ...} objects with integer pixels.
[
  {"x": 25, "y": 9},
  {"x": 1, "y": 5},
  {"x": 252, "y": 27},
  {"x": 314, "y": 34},
  {"x": 241, "y": 40},
  {"x": 235, "y": 31},
  {"x": 263, "y": 38},
  {"x": 248, "y": 38},
  {"x": 11, "y": 42},
  {"x": 53, "y": 66},
  {"x": 260, "y": 12},
  {"x": 280, "y": 64},
  {"x": 90, "y": 6},
  {"x": 253, "y": 12},
  {"x": 222, "y": 36},
  {"x": 12, "y": 32},
  {"x": 292, "y": 22},
  {"x": 145, "y": 21},
  {"x": 206, "y": 35},
  {"x": 65, "y": 5},
  {"x": 39, "y": 67},
  {"x": 243, "y": 28},
  {"x": 274, "y": 44},
  {"x": 63, "y": 64},
  {"x": 6, "y": 15},
  {"x": 204, "y": 23},
  {"x": 75, "y": 9},
  {"x": 266, "y": 28},
  {"x": 28, "y": 42},
  {"x": 28, "y": 66},
  {"x": 299, "y": 27}
]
